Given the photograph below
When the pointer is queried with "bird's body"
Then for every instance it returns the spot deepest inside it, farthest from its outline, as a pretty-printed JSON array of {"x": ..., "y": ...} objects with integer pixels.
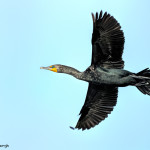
[
  {"x": 116, "y": 77},
  {"x": 106, "y": 73}
]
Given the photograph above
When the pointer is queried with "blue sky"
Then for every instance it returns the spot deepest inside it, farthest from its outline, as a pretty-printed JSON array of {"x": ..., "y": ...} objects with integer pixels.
[{"x": 38, "y": 106}]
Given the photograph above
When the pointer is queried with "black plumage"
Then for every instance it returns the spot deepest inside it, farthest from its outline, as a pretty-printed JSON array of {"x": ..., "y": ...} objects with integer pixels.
[
  {"x": 107, "y": 48},
  {"x": 107, "y": 42},
  {"x": 99, "y": 102},
  {"x": 105, "y": 74}
]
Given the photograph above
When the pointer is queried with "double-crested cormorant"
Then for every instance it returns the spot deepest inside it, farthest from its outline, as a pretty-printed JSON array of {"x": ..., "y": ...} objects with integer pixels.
[{"x": 106, "y": 72}]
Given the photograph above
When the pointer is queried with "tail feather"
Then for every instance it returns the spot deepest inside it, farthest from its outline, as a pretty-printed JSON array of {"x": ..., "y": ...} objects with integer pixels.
[
  {"x": 144, "y": 89},
  {"x": 144, "y": 81},
  {"x": 141, "y": 72}
]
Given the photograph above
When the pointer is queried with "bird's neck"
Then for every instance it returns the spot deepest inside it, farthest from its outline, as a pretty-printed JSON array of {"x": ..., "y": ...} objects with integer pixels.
[{"x": 71, "y": 71}]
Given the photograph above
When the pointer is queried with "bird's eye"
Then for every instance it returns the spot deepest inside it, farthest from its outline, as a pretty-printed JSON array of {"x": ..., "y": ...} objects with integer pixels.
[{"x": 52, "y": 66}]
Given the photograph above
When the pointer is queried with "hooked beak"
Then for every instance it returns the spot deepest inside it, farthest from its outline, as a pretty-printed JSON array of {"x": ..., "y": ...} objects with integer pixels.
[{"x": 49, "y": 68}]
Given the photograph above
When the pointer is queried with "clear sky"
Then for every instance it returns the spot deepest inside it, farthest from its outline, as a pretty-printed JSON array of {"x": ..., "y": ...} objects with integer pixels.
[{"x": 38, "y": 106}]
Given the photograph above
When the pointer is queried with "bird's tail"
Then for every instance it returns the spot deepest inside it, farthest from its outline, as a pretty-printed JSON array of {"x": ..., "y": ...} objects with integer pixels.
[{"x": 143, "y": 78}]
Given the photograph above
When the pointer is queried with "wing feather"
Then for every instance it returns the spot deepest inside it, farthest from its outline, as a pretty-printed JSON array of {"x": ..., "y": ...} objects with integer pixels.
[
  {"x": 107, "y": 41},
  {"x": 99, "y": 102}
]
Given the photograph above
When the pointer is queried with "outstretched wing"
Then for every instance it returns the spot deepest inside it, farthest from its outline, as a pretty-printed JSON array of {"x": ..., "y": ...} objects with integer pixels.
[
  {"x": 107, "y": 41},
  {"x": 99, "y": 102}
]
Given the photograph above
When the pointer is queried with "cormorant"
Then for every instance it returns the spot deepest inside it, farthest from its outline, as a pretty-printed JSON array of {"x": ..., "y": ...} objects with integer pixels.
[{"x": 105, "y": 74}]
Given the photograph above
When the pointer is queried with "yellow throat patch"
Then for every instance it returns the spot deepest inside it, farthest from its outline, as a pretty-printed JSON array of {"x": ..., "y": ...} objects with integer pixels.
[{"x": 53, "y": 69}]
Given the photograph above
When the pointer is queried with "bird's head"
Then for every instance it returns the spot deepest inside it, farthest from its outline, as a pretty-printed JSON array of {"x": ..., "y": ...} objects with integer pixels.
[{"x": 54, "y": 68}]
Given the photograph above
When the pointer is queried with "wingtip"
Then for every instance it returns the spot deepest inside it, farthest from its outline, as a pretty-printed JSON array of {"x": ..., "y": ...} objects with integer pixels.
[
  {"x": 100, "y": 14},
  {"x": 93, "y": 17}
]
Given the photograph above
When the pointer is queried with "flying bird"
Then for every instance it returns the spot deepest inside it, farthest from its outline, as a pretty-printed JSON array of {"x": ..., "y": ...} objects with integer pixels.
[{"x": 106, "y": 73}]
